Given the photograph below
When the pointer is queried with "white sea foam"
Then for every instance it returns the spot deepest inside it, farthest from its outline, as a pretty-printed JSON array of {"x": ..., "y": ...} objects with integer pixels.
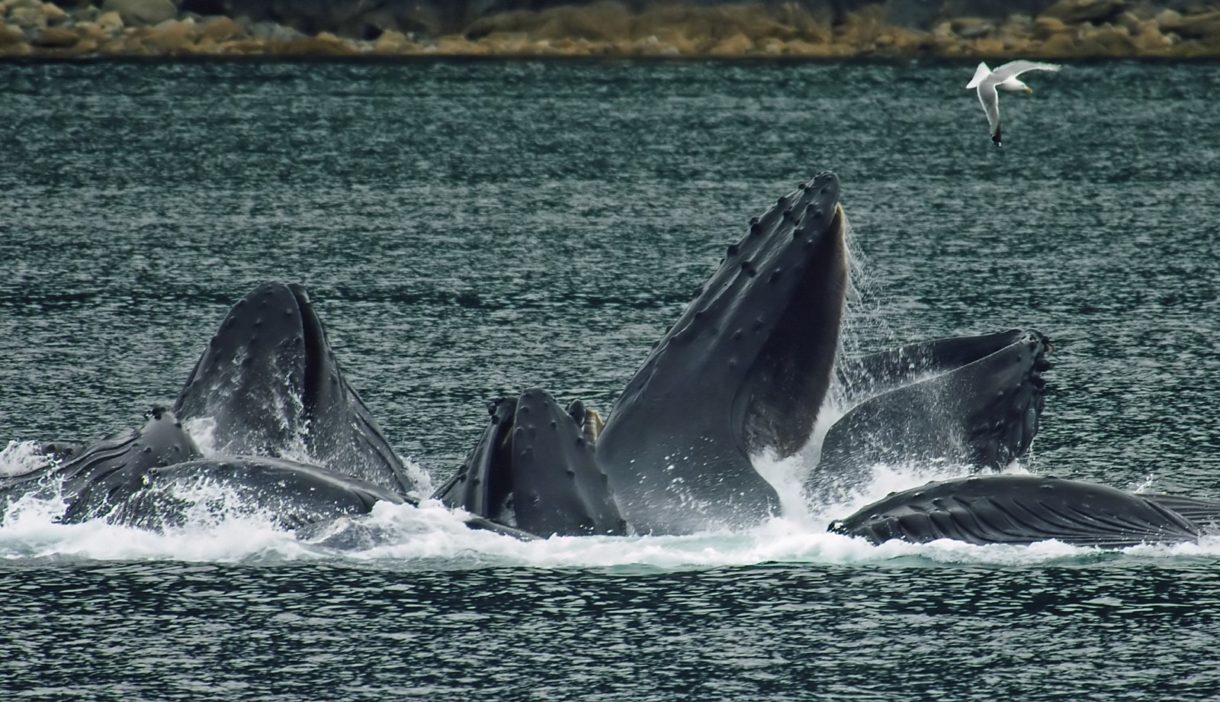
[
  {"x": 203, "y": 431},
  {"x": 21, "y": 457},
  {"x": 434, "y": 537}
]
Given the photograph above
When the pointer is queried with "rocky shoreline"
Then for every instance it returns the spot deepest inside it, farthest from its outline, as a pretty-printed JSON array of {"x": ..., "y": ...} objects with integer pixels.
[{"x": 31, "y": 29}]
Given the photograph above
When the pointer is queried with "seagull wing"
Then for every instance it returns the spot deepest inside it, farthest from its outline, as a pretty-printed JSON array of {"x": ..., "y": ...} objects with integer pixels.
[
  {"x": 991, "y": 106},
  {"x": 1012, "y": 69},
  {"x": 980, "y": 74}
]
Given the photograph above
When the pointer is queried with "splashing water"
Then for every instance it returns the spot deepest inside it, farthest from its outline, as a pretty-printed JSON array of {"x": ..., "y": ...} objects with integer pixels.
[
  {"x": 863, "y": 318},
  {"x": 433, "y": 537},
  {"x": 21, "y": 457},
  {"x": 203, "y": 431}
]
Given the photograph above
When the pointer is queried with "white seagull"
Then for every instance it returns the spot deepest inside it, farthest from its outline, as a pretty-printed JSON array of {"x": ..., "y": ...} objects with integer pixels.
[{"x": 1005, "y": 77}]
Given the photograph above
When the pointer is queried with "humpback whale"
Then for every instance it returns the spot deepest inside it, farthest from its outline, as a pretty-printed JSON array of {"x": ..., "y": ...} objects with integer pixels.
[
  {"x": 137, "y": 477},
  {"x": 743, "y": 371},
  {"x": 294, "y": 441},
  {"x": 271, "y": 385}
]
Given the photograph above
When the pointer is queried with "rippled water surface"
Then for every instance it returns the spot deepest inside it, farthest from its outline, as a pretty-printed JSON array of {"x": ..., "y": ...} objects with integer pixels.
[{"x": 470, "y": 229}]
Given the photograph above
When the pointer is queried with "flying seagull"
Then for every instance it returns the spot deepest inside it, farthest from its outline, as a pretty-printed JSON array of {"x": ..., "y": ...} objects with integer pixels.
[{"x": 1004, "y": 77}]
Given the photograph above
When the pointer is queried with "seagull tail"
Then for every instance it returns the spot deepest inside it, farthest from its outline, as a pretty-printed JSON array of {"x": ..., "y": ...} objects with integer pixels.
[{"x": 979, "y": 74}]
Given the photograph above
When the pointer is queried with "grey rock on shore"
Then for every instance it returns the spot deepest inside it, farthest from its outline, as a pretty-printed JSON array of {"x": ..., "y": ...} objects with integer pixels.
[{"x": 137, "y": 12}]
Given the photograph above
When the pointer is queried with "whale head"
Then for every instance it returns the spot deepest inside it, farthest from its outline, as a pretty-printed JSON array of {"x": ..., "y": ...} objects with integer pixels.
[
  {"x": 270, "y": 384},
  {"x": 534, "y": 470},
  {"x": 743, "y": 371}
]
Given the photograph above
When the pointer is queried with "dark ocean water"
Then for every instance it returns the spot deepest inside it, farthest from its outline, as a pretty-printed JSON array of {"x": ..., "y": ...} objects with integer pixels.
[{"x": 470, "y": 229}]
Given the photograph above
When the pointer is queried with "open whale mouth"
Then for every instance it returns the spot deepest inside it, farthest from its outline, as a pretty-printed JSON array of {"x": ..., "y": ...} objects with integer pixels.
[
  {"x": 784, "y": 387},
  {"x": 315, "y": 346},
  {"x": 742, "y": 372},
  {"x": 261, "y": 374}
]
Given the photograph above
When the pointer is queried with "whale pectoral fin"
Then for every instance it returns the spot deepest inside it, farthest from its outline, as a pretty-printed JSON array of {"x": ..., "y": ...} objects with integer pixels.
[
  {"x": 271, "y": 384},
  {"x": 558, "y": 488},
  {"x": 1019, "y": 509}
]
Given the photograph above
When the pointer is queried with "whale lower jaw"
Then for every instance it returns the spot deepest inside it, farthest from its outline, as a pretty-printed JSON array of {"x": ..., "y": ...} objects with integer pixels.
[{"x": 1024, "y": 509}]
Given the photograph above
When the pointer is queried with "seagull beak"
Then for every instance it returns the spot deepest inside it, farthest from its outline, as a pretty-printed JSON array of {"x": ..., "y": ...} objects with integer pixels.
[{"x": 1029, "y": 89}]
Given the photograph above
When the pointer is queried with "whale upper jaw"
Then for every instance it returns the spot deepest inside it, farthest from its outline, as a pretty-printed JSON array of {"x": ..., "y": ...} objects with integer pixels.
[
  {"x": 534, "y": 469},
  {"x": 744, "y": 370}
]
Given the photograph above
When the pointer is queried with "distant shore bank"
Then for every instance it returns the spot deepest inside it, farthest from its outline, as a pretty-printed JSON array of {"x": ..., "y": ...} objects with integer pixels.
[{"x": 30, "y": 29}]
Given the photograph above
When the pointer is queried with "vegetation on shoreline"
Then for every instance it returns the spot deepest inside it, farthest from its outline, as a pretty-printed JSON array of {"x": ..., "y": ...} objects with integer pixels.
[{"x": 829, "y": 29}]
